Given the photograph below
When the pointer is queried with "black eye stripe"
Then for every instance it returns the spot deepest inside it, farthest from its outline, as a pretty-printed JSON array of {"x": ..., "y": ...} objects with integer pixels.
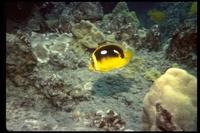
[{"x": 108, "y": 51}]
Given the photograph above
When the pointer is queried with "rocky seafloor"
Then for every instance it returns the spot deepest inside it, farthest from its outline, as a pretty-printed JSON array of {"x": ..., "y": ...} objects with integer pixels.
[
  {"x": 28, "y": 110},
  {"x": 49, "y": 86}
]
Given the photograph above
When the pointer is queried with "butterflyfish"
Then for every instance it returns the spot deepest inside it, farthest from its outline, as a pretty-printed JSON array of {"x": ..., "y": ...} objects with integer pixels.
[{"x": 109, "y": 56}]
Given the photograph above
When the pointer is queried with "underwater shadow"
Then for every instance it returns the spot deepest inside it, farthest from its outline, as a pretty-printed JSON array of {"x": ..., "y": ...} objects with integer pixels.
[{"x": 109, "y": 85}]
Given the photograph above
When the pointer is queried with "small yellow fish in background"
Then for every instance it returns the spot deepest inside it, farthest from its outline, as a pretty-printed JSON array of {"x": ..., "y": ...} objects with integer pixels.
[
  {"x": 156, "y": 16},
  {"x": 110, "y": 56},
  {"x": 193, "y": 9}
]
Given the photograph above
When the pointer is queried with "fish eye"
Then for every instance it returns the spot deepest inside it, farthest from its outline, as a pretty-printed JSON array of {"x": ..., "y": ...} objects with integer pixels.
[{"x": 103, "y": 52}]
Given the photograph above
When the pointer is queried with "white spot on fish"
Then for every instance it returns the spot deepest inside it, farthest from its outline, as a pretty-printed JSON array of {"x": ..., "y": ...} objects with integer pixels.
[{"x": 103, "y": 52}]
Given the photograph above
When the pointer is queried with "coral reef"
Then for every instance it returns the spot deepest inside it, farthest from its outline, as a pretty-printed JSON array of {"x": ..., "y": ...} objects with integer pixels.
[
  {"x": 35, "y": 50},
  {"x": 78, "y": 115},
  {"x": 183, "y": 45},
  {"x": 42, "y": 53},
  {"x": 152, "y": 40},
  {"x": 20, "y": 60},
  {"x": 109, "y": 120},
  {"x": 142, "y": 33},
  {"x": 152, "y": 75},
  {"x": 171, "y": 103},
  {"x": 175, "y": 65},
  {"x": 111, "y": 38},
  {"x": 128, "y": 34},
  {"x": 49, "y": 86},
  {"x": 48, "y": 44},
  {"x": 78, "y": 11},
  {"x": 125, "y": 33},
  {"x": 121, "y": 6},
  {"x": 120, "y": 17},
  {"x": 137, "y": 39},
  {"x": 87, "y": 36},
  {"x": 74, "y": 13},
  {"x": 60, "y": 94},
  {"x": 37, "y": 23},
  {"x": 177, "y": 14},
  {"x": 59, "y": 16}
]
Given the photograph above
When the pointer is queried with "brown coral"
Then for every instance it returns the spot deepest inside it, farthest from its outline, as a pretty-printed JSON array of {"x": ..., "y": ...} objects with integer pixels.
[
  {"x": 109, "y": 120},
  {"x": 152, "y": 40},
  {"x": 183, "y": 45},
  {"x": 163, "y": 119}
]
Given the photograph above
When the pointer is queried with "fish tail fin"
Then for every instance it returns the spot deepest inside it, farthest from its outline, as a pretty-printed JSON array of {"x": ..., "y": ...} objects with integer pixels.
[{"x": 129, "y": 54}]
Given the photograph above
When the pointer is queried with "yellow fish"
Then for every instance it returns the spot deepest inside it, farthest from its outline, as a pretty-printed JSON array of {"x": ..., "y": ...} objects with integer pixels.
[{"x": 110, "y": 56}]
